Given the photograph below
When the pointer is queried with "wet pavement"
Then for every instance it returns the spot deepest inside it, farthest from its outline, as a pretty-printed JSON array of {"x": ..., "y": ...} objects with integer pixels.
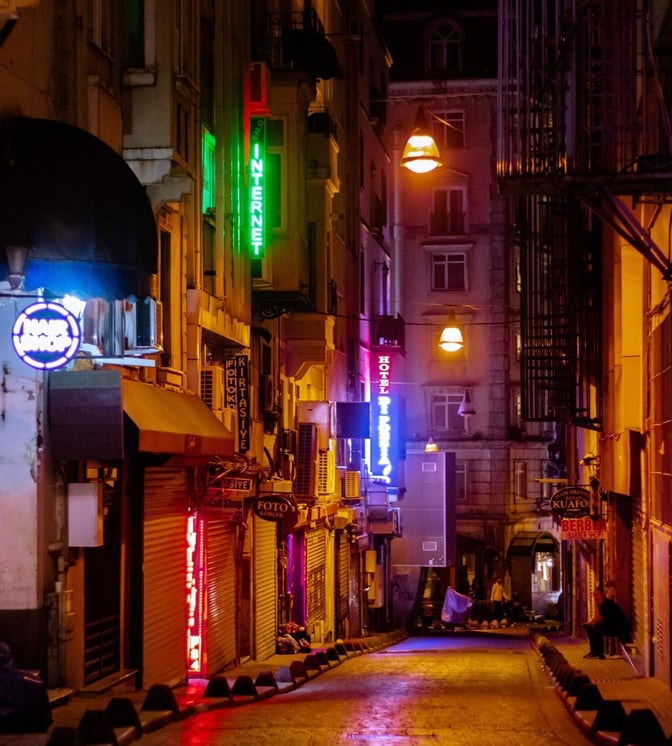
[{"x": 607, "y": 698}]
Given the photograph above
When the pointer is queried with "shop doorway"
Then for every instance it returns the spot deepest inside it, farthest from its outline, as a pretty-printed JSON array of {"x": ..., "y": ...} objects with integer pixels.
[{"x": 102, "y": 574}]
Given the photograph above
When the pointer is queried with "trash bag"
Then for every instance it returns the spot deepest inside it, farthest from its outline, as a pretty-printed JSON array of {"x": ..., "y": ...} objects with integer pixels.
[{"x": 455, "y": 607}]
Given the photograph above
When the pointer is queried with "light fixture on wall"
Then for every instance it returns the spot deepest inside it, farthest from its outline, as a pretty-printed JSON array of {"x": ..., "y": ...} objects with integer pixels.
[
  {"x": 431, "y": 446},
  {"x": 17, "y": 258},
  {"x": 466, "y": 408},
  {"x": 421, "y": 153},
  {"x": 451, "y": 339}
]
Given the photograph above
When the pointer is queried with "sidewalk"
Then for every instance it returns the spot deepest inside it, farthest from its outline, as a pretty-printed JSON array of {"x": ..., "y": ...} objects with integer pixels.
[
  {"x": 121, "y": 715},
  {"x": 608, "y": 698}
]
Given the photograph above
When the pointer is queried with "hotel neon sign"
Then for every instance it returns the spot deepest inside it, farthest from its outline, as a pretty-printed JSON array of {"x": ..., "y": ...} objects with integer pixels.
[
  {"x": 257, "y": 186},
  {"x": 383, "y": 424}
]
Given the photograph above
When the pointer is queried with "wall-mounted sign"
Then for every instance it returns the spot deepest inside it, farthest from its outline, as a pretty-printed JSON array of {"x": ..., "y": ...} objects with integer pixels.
[
  {"x": 257, "y": 186},
  {"x": 46, "y": 335},
  {"x": 582, "y": 528},
  {"x": 195, "y": 611},
  {"x": 386, "y": 420},
  {"x": 274, "y": 507},
  {"x": 236, "y": 396},
  {"x": 571, "y": 502}
]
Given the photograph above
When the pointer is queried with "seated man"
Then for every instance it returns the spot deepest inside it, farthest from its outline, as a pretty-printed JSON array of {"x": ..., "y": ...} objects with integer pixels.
[
  {"x": 24, "y": 703},
  {"x": 609, "y": 620}
]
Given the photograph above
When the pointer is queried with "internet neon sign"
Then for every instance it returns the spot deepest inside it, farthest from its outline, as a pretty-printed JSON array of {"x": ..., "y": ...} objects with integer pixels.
[
  {"x": 46, "y": 335},
  {"x": 257, "y": 185}
]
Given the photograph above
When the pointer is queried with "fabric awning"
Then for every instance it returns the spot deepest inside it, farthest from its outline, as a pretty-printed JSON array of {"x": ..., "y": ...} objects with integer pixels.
[
  {"x": 98, "y": 415},
  {"x": 163, "y": 421},
  {"x": 79, "y": 207},
  {"x": 526, "y": 543}
]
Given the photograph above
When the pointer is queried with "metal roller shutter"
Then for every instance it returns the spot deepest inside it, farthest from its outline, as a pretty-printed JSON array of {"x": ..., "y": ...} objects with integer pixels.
[
  {"x": 165, "y": 610},
  {"x": 264, "y": 591},
  {"x": 221, "y": 598},
  {"x": 342, "y": 602},
  {"x": 316, "y": 607}
]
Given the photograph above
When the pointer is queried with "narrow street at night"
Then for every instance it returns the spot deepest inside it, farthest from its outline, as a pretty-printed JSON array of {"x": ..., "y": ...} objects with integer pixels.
[{"x": 456, "y": 689}]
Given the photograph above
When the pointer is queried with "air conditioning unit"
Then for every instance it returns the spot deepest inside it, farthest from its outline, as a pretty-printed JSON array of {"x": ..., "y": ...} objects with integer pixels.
[
  {"x": 212, "y": 386},
  {"x": 351, "y": 485},
  {"x": 149, "y": 323},
  {"x": 306, "y": 459},
  {"x": 321, "y": 413},
  {"x": 326, "y": 473}
]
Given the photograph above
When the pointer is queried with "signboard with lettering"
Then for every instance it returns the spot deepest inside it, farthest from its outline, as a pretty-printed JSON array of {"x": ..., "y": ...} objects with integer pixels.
[
  {"x": 46, "y": 335},
  {"x": 257, "y": 186},
  {"x": 571, "y": 502},
  {"x": 236, "y": 396},
  {"x": 582, "y": 528},
  {"x": 274, "y": 507},
  {"x": 385, "y": 420}
]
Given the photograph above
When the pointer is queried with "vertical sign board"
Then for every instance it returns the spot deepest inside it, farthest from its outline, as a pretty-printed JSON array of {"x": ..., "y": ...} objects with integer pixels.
[
  {"x": 386, "y": 420},
  {"x": 257, "y": 186},
  {"x": 237, "y": 396},
  {"x": 195, "y": 590}
]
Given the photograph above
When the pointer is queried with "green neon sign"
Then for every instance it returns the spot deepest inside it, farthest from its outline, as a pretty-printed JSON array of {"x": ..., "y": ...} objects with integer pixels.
[{"x": 257, "y": 186}]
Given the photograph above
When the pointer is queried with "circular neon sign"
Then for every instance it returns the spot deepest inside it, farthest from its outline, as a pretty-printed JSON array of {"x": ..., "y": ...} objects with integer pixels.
[{"x": 46, "y": 335}]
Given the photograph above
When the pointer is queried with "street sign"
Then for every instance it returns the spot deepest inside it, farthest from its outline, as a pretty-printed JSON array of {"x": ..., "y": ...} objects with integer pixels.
[
  {"x": 571, "y": 502},
  {"x": 582, "y": 528}
]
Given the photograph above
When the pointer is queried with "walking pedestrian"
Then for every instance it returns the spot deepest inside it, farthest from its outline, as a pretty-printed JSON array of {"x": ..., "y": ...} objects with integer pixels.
[{"x": 497, "y": 597}]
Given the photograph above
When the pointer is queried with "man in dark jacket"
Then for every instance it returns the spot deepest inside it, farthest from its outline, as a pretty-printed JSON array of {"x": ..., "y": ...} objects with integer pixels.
[
  {"x": 609, "y": 621},
  {"x": 24, "y": 703}
]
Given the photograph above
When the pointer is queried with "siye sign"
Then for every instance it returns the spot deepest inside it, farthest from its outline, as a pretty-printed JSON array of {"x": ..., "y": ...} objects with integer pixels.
[
  {"x": 571, "y": 502},
  {"x": 274, "y": 507}
]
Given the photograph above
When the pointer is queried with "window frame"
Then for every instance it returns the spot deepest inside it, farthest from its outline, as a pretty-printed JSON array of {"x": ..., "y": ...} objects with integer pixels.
[
  {"x": 456, "y": 257},
  {"x": 449, "y": 400},
  {"x": 449, "y": 220},
  {"x": 444, "y": 49}
]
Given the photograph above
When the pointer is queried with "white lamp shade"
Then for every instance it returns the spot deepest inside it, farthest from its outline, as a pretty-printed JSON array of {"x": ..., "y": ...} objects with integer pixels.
[{"x": 451, "y": 339}]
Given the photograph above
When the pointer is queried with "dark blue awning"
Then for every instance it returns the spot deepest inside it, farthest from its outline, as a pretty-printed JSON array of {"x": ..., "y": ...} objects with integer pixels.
[{"x": 79, "y": 206}]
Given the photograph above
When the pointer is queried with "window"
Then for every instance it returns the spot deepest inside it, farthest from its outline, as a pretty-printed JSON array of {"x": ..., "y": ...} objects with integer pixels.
[
  {"x": 520, "y": 479},
  {"x": 461, "y": 481},
  {"x": 275, "y": 158},
  {"x": 448, "y": 214},
  {"x": 100, "y": 25},
  {"x": 447, "y": 128},
  {"x": 449, "y": 271},
  {"x": 445, "y": 49},
  {"x": 444, "y": 414}
]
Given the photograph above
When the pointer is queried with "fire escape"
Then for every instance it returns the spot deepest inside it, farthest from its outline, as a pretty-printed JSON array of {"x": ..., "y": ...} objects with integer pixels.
[{"x": 581, "y": 141}]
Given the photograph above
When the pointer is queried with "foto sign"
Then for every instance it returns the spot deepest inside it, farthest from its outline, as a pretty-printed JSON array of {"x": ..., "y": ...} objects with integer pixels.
[
  {"x": 46, "y": 335},
  {"x": 274, "y": 507}
]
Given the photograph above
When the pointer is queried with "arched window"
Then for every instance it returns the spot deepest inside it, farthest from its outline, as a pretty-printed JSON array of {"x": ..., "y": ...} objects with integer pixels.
[{"x": 444, "y": 48}]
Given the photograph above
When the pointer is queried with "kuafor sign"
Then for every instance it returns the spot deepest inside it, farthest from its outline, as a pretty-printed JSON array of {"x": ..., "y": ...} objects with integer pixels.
[
  {"x": 571, "y": 502},
  {"x": 582, "y": 528},
  {"x": 274, "y": 507}
]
